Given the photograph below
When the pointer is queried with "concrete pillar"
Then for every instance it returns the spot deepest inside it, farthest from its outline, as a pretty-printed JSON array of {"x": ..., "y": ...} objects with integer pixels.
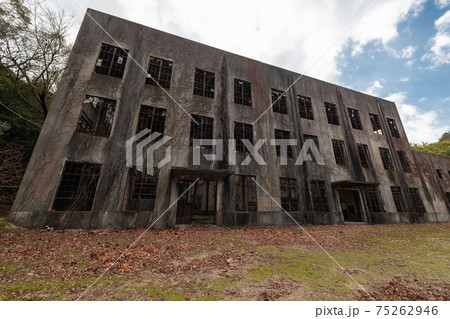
[
  {"x": 219, "y": 211},
  {"x": 173, "y": 197}
]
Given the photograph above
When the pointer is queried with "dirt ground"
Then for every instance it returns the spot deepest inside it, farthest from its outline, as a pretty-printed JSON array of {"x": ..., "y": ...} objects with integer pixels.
[{"x": 390, "y": 262}]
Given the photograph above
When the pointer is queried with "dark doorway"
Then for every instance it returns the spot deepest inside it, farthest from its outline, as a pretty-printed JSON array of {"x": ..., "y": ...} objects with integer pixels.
[
  {"x": 198, "y": 204},
  {"x": 350, "y": 205}
]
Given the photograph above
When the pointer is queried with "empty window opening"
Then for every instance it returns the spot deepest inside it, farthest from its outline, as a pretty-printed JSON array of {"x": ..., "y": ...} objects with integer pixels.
[
  {"x": 288, "y": 194},
  {"x": 152, "y": 118},
  {"x": 279, "y": 101},
  {"x": 245, "y": 197},
  {"x": 283, "y": 135},
  {"x": 305, "y": 107},
  {"x": 202, "y": 130},
  {"x": 355, "y": 120},
  {"x": 142, "y": 190},
  {"x": 448, "y": 197},
  {"x": 77, "y": 188},
  {"x": 339, "y": 152},
  {"x": 417, "y": 200},
  {"x": 376, "y": 124},
  {"x": 404, "y": 161},
  {"x": 439, "y": 172},
  {"x": 364, "y": 155},
  {"x": 97, "y": 115},
  {"x": 393, "y": 127},
  {"x": 204, "y": 83},
  {"x": 159, "y": 72},
  {"x": 318, "y": 196},
  {"x": 386, "y": 159},
  {"x": 242, "y": 131},
  {"x": 332, "y": 114},
  {"x": 242, "y": 92},
  {"x": 111, "y": 61},
  {"x": 398, "y": 198},
  {"x": 373, "y": 198}
]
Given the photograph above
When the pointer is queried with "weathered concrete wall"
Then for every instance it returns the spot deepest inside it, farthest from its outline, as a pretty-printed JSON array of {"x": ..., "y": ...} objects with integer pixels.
[{"x": 59, "y": 141}]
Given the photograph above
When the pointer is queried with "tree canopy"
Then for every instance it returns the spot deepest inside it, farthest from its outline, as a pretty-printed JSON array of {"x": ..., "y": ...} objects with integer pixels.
[{"x": 441, "y": 148}]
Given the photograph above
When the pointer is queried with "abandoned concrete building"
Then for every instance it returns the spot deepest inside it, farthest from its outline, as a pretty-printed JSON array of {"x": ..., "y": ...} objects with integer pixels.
[{"x": 78, "y": 175}]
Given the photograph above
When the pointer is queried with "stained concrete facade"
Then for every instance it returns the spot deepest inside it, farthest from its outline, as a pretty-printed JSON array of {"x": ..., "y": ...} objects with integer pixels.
[{"x": 60, "y": 141}]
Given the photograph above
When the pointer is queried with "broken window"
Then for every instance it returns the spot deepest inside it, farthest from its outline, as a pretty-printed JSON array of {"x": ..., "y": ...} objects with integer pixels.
[
  {"x": 376, "y": 124},
  {"x": 202, "y": 130},
  {"x": 439, "y": 172},
  {"x": 339, "y": 152},
  {"x": 159, "y": 72},
  {"x": 364, "y": 155},
  {"x": 417, "y": 200},
  {"x": 242, "y": 131},
  {"x": 373, "y": 197},
  {"x": 242, "y": 92},
  {"x": 111, "y": 61},
  {"x": 314, "y": 138},
  {"x": 288, "y": 194},
  {"x": 279, "y": 101},
  {"x": 318, "y": 196},
  {"x": 398, "y": 198},
  {"x": 204, "y": 83},
  {"x": 355, "y": 119},
  {"x": 393, "y": 127},
  {"x": 386, "y": 159},
  {"x": 77, "y": 187},
  {"x": 404, "y": 161},
  {"x": 141, "y": 191},
  {"x": 332, "y": 114},
  {"x": 97, "y": 115},
  {"x": 152, "y": 118},
  {"x": 283, "y": 135},
  {"x": 305, "y": 107},
  {"x": 245, "y": 193}
]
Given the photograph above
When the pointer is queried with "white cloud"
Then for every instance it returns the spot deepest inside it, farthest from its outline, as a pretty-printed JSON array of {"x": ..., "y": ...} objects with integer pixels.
[
  {"x": 422, "y": 99},
  {"x": 404, "y": 79},
  {"x": 408, "y": 52},
  {"x": 447, "y": 99},
  {"x": 420, "y": 126},
  {"x": 439, "y": 52},
  {"x": 374, "y": 89},
  {"x": 441, "y": 4},
  {"x": 289, "y": 34}
]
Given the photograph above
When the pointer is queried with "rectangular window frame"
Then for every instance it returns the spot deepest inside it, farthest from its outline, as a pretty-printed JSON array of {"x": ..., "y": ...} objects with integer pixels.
[
  {"x": 332, "y": 113},
  {"x": 419, "y": 207},
  {"x": 242, "y": 92},
  {"x": 404, "y": 162},
  {"x": 142, "y": 188},
  {"x": 152, "y": 118},
  {"x": 242, "y": 131},
  {"x": 77, "y": 186},
  {"x": 246, "y": 197},
  {"x": 288, "y": 194},
  {"x": 204, "y": 83},
  {"x": 339, "y": 152},
  {"x": 386, "y": 159},
  {"x": 305, "y": 107},
  {"x": 111, "y": 61},
  {"x": 373, "y": 199},
  {"x": 204, "y": 130},
  {"x": 279, "y": 104},
  {"x": 376, "y": 123},
  {"x": 96, "y": 116},
  {"x": 393, "y": 127},
  {"x": 355, "y": 119},
  {"x": 159, "y": 72},
  {"x": 319, "y": 198},
  {"x": 283, "y": 135},
  {"x": 398, "y": 199},
  {"x": 364, "y": 155}
]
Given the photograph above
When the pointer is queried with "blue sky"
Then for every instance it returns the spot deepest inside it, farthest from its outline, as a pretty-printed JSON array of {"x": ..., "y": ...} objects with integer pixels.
[{"x": 394, "y": 49}]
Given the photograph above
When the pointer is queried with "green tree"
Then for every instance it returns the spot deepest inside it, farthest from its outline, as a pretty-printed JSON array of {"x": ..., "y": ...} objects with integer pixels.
[
  {"x": 441, "y": 148},
  {"x": 33, "y": 49}
]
